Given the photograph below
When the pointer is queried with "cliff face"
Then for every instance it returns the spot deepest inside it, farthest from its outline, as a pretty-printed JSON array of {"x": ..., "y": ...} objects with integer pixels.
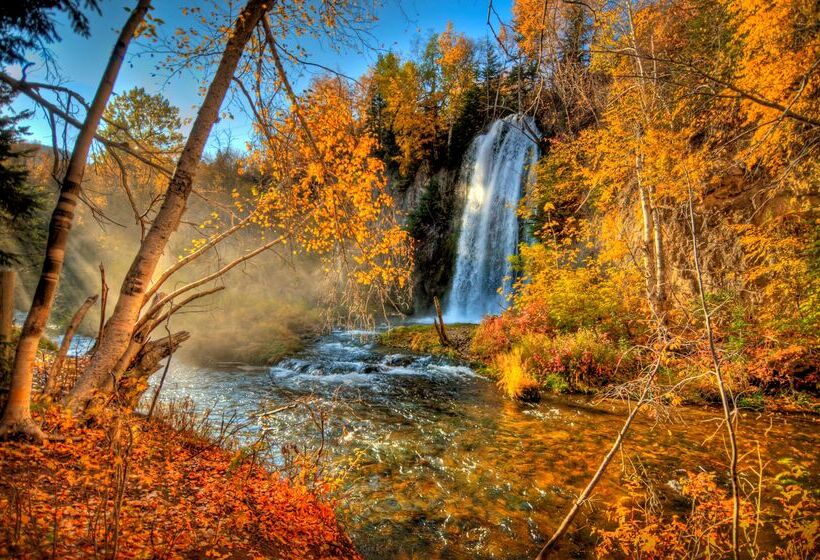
[{"x": 431, "y": 202}]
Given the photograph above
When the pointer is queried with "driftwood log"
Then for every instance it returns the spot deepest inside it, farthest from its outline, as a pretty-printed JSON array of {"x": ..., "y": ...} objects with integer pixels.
[{"x": 147, "y": 361}]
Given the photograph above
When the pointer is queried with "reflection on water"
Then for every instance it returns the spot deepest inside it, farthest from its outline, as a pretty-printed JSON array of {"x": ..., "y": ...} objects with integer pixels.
[{"x": 441, "y": 466}]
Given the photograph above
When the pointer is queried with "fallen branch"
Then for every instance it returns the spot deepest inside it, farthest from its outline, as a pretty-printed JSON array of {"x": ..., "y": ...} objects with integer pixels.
[{"x": 584, "y": 496}]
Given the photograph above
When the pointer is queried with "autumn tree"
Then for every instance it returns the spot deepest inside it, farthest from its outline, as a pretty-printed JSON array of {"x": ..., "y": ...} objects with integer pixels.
[
  {"x": 120, "y": 326},
  {"x": 327, "y": 191},
  {"x": 399, "y": 86},
  {"x": 17, "y": 414},
  {"x": 683, "y": 134},
  {"x": 458, "y": 74},
  {"x": 152, "y": 125}
]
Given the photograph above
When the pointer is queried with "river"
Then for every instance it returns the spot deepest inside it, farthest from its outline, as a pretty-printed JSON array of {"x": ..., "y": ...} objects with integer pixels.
[{"x": 438, "y": 465}]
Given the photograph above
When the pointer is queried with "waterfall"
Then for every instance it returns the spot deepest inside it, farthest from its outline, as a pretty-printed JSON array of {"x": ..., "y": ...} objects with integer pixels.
[{"x": 496, "y": 170}]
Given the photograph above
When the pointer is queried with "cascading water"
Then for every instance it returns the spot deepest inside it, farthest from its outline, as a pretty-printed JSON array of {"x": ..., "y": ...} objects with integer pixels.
[{"x": 496, "y": 170}]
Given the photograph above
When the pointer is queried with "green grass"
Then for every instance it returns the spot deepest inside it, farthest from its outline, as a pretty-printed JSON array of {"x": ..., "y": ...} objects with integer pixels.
[{"x": 423, "y": 338}]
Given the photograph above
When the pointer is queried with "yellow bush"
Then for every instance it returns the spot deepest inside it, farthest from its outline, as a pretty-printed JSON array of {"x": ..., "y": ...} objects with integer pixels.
[{"x": 513, "y": 377}]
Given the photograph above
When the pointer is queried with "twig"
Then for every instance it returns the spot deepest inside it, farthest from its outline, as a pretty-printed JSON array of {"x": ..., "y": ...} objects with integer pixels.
[
  {"x": 728, "y": 411},
  {"x": 584, "y": 496}
]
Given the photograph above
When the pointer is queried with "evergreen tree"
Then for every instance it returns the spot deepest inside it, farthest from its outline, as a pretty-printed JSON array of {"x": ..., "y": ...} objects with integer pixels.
[
  {"x": 29, "y": 24},
  {"x": 19, "y": 202}
]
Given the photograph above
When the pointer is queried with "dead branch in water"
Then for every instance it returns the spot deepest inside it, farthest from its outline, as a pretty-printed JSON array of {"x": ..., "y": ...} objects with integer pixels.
[{"x": 584, "y": 496}]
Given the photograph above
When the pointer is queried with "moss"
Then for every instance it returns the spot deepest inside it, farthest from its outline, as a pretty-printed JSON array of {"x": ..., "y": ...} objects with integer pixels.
[
  {"x": 753, "y": 401},
  {"x": 554, "y": 383},
  {"x": 423, "y": 338}
]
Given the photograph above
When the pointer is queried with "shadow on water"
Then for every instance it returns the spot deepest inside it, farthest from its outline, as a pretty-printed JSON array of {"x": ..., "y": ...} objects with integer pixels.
[{"x": 439, "y": 465}]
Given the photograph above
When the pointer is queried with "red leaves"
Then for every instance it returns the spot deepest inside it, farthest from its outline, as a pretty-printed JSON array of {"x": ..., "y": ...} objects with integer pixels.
[{"x": 181, "y": 497}]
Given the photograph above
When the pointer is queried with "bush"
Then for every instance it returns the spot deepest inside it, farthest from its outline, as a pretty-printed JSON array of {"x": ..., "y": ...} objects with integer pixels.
[
  {"x": 554, "y": 297},
  {"x": 583, "y": 359},
  {"x": 795, "y": 367},
  {"x": 513, "y": 377},
  {"x": 492, "y": 337}
]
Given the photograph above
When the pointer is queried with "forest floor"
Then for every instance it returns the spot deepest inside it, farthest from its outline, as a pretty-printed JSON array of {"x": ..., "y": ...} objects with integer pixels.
[
  {"x": 700, "y": 392},
  {"x": 171, "y": 487}
]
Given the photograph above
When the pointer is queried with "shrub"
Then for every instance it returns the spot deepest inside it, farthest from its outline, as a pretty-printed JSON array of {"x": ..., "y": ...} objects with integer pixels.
[
  {"x": 583, "y": 359},
  {"x": 513, "y": 377},
  {"x": 643, "y": 531},
  {"x": 492, "y": 337},
  {"x": 794, "y": 367},
  {"x": 563, "y": 295}
]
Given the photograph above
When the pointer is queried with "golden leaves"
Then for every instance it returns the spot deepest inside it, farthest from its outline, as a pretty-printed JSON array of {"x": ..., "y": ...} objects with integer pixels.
[{"x": 329, "y": 193}]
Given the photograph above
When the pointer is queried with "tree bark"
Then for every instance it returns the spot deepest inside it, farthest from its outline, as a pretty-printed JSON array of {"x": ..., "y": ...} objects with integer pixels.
[
  {"x": 17, "y": 414},
  {"x": 439, "y": 324},
  {"x": 57, "y": 366},
  {"x": 647, "y": 245},
  {"x": 146, "y": 363},
  {"x": 660, "y": 262},
  {"x": 727, "y": 403},
  {"x": 120, "y": 326}
]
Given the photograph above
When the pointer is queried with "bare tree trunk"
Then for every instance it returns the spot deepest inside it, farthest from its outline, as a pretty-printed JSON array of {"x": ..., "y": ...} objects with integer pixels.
[
  {"x": 120, "y": 326},
  {"x": 145, "y": 364},
  {"x": 103, "y": 302},
  {"x": 6, "y": 322},
  {"x": 660, "y": 262},
  {"x": 728, "y": 408},
  {"x": 54, "y": 373},
  {"x": 647, "y": 246},
  {"x": 439, "y": 324},
  {"x": 17, "y": 414}
]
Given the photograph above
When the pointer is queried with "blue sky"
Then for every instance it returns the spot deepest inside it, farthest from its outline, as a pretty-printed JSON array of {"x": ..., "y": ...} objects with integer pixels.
[{"x": 400, "y": 24}]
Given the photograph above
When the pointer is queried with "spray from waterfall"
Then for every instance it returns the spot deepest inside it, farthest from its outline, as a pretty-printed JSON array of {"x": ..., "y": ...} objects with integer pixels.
[{"x": 496, "y": 170}]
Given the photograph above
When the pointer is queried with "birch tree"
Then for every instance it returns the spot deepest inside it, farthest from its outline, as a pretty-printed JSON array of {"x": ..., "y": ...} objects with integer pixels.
[
  {"x": 16, "y": 418},
  {"x": 120, "y": 326}
]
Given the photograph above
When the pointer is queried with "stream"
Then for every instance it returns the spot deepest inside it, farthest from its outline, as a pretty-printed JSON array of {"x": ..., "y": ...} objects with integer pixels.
[{"x": 438, "y": 465}]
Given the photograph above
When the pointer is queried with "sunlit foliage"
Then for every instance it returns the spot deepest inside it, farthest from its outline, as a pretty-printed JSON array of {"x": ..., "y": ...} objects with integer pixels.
[{"x": 327, "y": 192}]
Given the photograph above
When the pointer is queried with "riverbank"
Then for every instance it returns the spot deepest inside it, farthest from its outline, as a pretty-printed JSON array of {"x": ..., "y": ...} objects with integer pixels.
[
  {"x": 688, "y": 389},
  {"x": 424, "y": 339},
  {"x": 173, "y": 487}
]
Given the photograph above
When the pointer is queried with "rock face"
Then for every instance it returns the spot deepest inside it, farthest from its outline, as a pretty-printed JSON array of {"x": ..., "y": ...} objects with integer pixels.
[{"x": 432, "y": 203}]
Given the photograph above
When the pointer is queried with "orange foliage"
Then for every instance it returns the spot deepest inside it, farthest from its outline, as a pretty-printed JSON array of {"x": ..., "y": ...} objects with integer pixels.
[
  {"x": 401, "y": 86},
  {"x": 153, "y": 492},
  {"x": 457, "y": 70},
  {"x": 643, "y": 533},
  {"x": 328, "y": 192}
]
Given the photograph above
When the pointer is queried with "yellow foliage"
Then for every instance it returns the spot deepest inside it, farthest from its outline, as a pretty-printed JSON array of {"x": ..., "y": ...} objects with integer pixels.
[
  {"x": 328, "y": 193},
  {"x": 513, "y": 377}
]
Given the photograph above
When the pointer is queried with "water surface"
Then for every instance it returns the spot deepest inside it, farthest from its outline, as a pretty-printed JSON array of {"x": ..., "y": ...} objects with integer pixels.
[{"x": 440, "y": 466}]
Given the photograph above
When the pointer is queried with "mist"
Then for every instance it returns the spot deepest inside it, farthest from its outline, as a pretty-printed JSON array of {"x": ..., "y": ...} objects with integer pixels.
[{"x": 273, "y": 300}]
